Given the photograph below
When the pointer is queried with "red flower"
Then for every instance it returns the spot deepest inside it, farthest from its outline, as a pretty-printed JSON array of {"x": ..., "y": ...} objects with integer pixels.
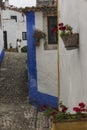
[
  {"x": 82, "y": 105},
  {"x": 76, "y": 109},
  {"x": 61, "y": 24},
  {"x": 43, "y": 107},
  {"x": 64, "y": 109},
  {"x": 54, "y": 29},
  {"x": 83, "y": 110},
  {"x": 62, "y": 28},
  {"x": 53, "y": 113}
]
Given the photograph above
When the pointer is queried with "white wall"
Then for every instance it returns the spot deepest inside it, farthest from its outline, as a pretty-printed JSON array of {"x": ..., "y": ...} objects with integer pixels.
[
  {"x": 1, "y": 40},
  {"x": 1, "y": 34},
  {"x": 73, "y": 70},
  {"x": 46, "y": 64},
  {"x": 14, "y": 29}
]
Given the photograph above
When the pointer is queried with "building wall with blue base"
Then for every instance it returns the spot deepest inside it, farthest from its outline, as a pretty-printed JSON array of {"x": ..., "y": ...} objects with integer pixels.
[
  {"x": 36, "y": 97},
  {"x": 1, "y": 55}
]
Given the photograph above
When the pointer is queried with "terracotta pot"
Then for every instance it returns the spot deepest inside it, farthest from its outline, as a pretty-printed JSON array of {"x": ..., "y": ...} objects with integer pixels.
[
  {"x": 71, "y": 41},
  {"x": 70, "y": 125}
]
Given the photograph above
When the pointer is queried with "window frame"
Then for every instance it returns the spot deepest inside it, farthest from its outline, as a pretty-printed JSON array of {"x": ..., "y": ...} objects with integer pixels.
[
  {"x": 24, "y": 35},
  {"x": 50, "y": 33},
  {"x": 14, "y": 17}
]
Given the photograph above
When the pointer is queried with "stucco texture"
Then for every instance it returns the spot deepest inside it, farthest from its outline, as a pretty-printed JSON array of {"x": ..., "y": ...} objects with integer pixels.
[
  {"x": 46, "y": 64},
  {"x": 73, "y": 63}
]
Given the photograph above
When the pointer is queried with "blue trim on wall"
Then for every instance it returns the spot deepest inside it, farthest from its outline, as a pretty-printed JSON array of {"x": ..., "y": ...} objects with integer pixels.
[
  {"x": 35, "y": 97},
  {"x": 1, "y": 55}
]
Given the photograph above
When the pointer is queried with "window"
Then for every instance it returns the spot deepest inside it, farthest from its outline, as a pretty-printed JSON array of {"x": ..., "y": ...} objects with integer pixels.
[
  {"x": 14, "y": 17},
  {"x": 24, "y": 36},
  {"x": 52, "y": 30}
]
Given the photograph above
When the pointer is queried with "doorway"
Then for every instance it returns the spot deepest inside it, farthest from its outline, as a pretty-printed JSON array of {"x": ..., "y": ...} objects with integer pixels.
[{"x": 5, "y": 39}]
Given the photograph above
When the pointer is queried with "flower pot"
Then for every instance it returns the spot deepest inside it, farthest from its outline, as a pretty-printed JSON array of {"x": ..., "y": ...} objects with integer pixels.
[
  {"x": 37, "y": 43},
  {"x": 70, "y": 125},
  {"x": 71, "y": 41}
]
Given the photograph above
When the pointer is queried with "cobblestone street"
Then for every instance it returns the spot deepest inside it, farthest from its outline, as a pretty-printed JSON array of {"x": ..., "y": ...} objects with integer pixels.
[{"x": 15, "y": 111}]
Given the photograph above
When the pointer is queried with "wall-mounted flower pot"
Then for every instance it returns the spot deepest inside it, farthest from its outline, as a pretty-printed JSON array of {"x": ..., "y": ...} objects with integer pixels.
[
  {"x": 37, "y": 43},
  {"x": 71, "y": 41},
  {"x": 69, "y": 125}
]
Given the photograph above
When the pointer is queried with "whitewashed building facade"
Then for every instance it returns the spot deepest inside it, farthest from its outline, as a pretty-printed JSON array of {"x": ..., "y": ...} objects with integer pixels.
[
  {"x": 14, "y": 26},
  {"x": 73, "y": 63},
  {"x": 42, "y": 60}
]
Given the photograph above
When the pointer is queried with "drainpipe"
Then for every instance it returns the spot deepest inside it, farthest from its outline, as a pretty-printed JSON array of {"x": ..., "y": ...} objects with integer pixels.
[{"x": 57, "y": 2}]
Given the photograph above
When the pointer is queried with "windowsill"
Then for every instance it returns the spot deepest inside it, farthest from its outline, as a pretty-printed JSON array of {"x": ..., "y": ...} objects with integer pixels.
[{"x": 50, "y": 47}]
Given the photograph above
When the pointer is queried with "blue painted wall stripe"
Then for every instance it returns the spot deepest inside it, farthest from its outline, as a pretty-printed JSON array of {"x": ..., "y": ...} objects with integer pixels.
[
  {"x": 1, "y": 55},
  {"x": 35, "y": 97}
]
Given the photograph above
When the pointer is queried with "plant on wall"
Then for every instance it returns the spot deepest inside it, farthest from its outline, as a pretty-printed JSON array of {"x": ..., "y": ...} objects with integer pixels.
[
  {"x": 66, "y": 30},
  {"x": 38, "y": 34},
  {"x": 70, "y": 39},
  {"x": 63, "y": 115},
  {"x": 62, "y": 119}
]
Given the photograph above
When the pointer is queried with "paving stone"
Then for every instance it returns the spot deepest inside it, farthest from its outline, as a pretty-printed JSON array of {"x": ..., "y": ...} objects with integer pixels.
[{"x": 15, "y": 111}]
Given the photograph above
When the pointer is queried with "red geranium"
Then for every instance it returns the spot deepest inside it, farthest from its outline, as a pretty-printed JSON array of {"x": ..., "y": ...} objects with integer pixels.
[
  {"x": 43, "y": 108},
  {"x": 54, "y": 29},
  {"x": 82, "y": 105},
  {"x": 61, "y": 24},
  {"x": 76, "y": 109},
  {"x": 62, "y": 28},
  {"x": 65, "y": 29},
  {"x": 83, "y": 110},
  {"x": 53, "y": 113},
  {"x": 64, "y": 109}
]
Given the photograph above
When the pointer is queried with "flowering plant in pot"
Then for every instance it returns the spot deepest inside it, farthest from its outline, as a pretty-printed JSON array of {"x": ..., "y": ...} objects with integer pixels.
[
  {"x": 70, "y": 39},
  {"x": 63, "y": 120},
  {"x": 38, "y": 34}
]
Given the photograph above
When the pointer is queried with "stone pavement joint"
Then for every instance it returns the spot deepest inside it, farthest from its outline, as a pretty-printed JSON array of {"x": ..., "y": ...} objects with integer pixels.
[{"x": 15, "y": 111}]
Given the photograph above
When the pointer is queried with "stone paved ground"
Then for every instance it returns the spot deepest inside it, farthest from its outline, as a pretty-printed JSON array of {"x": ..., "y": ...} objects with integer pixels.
[{"x": 15, "y": 111}]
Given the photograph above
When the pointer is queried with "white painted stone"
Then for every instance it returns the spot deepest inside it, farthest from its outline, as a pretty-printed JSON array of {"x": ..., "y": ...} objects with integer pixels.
[
  {"x": 1, "y": 33},
  {"x": 14, "y": 29},
  {"x": 39, "y": 20},
  {"x": 47, "y": 79},
  {"x": 73, "y": 71}
]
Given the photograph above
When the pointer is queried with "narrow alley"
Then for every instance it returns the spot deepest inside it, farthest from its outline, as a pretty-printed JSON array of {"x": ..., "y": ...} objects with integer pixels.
[{"x": 15, "y": 111}]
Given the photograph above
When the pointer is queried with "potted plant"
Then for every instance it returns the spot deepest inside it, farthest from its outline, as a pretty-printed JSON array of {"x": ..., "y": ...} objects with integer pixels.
[
  {"x": 63, "y": 120},
  {"x": 70, "y": 39},
  {"x": 38, "y": 34}
]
